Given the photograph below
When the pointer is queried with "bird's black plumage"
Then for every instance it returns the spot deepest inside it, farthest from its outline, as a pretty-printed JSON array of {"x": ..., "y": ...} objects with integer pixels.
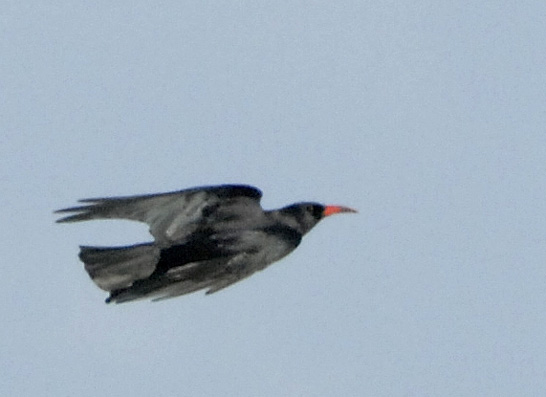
[{"x": 204, "y": 238}]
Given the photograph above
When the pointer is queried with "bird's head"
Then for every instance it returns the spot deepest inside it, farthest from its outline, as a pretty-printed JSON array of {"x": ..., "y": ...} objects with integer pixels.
[{"x": 306, "y": 215}]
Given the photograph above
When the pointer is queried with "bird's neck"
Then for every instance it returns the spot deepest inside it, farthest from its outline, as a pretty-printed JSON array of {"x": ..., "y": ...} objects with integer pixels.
[{"x": 288, "y": 220}]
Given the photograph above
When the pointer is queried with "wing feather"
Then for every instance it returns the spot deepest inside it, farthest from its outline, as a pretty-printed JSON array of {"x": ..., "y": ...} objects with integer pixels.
[{"x": 171, "y": 216}]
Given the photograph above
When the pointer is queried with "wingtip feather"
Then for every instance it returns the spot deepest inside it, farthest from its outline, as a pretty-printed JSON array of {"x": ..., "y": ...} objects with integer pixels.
[
  {"x": 74, "y": 218},
  {"x": 80, "y": 213}
]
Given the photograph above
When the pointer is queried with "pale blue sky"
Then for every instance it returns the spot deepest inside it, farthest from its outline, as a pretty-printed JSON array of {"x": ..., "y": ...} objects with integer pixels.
[{"x": 429, "y": 117}]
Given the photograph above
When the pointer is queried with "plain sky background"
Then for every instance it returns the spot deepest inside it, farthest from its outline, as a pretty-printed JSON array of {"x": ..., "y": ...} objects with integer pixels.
[{"x": 427, "y": 116}]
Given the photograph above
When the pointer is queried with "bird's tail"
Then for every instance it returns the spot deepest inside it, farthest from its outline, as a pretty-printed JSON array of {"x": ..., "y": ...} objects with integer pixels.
[{"x": 114, "y": 268}]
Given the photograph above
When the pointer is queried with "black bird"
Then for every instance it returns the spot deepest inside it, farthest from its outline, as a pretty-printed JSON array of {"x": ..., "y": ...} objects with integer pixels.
[{"x": 205, "y": 237}]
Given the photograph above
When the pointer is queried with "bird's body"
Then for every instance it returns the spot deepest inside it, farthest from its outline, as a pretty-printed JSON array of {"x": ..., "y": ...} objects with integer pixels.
[{"x": 205, "y": 238}]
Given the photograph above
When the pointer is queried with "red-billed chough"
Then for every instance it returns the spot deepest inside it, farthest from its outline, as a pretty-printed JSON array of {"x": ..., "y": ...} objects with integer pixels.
[{"x": 205, "y": 237}]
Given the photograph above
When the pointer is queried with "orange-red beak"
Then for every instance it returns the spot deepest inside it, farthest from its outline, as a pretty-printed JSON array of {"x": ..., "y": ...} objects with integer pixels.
[{"x": 336, "y": 209}]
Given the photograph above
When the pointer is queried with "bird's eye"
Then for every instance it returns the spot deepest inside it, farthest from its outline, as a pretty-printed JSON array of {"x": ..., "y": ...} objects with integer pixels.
[{"x": 316, "y": 211}]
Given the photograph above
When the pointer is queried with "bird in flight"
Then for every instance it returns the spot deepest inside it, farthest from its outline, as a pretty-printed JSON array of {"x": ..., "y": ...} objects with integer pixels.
[{"x": 204, "y": 238}]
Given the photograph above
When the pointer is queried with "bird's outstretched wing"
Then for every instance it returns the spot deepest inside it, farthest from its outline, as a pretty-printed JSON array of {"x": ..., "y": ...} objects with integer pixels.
[{"x": 171, "y": 216}]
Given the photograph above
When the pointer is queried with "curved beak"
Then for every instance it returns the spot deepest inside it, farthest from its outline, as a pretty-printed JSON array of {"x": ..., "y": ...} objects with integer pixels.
[{"x": 336, "y": 209}]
